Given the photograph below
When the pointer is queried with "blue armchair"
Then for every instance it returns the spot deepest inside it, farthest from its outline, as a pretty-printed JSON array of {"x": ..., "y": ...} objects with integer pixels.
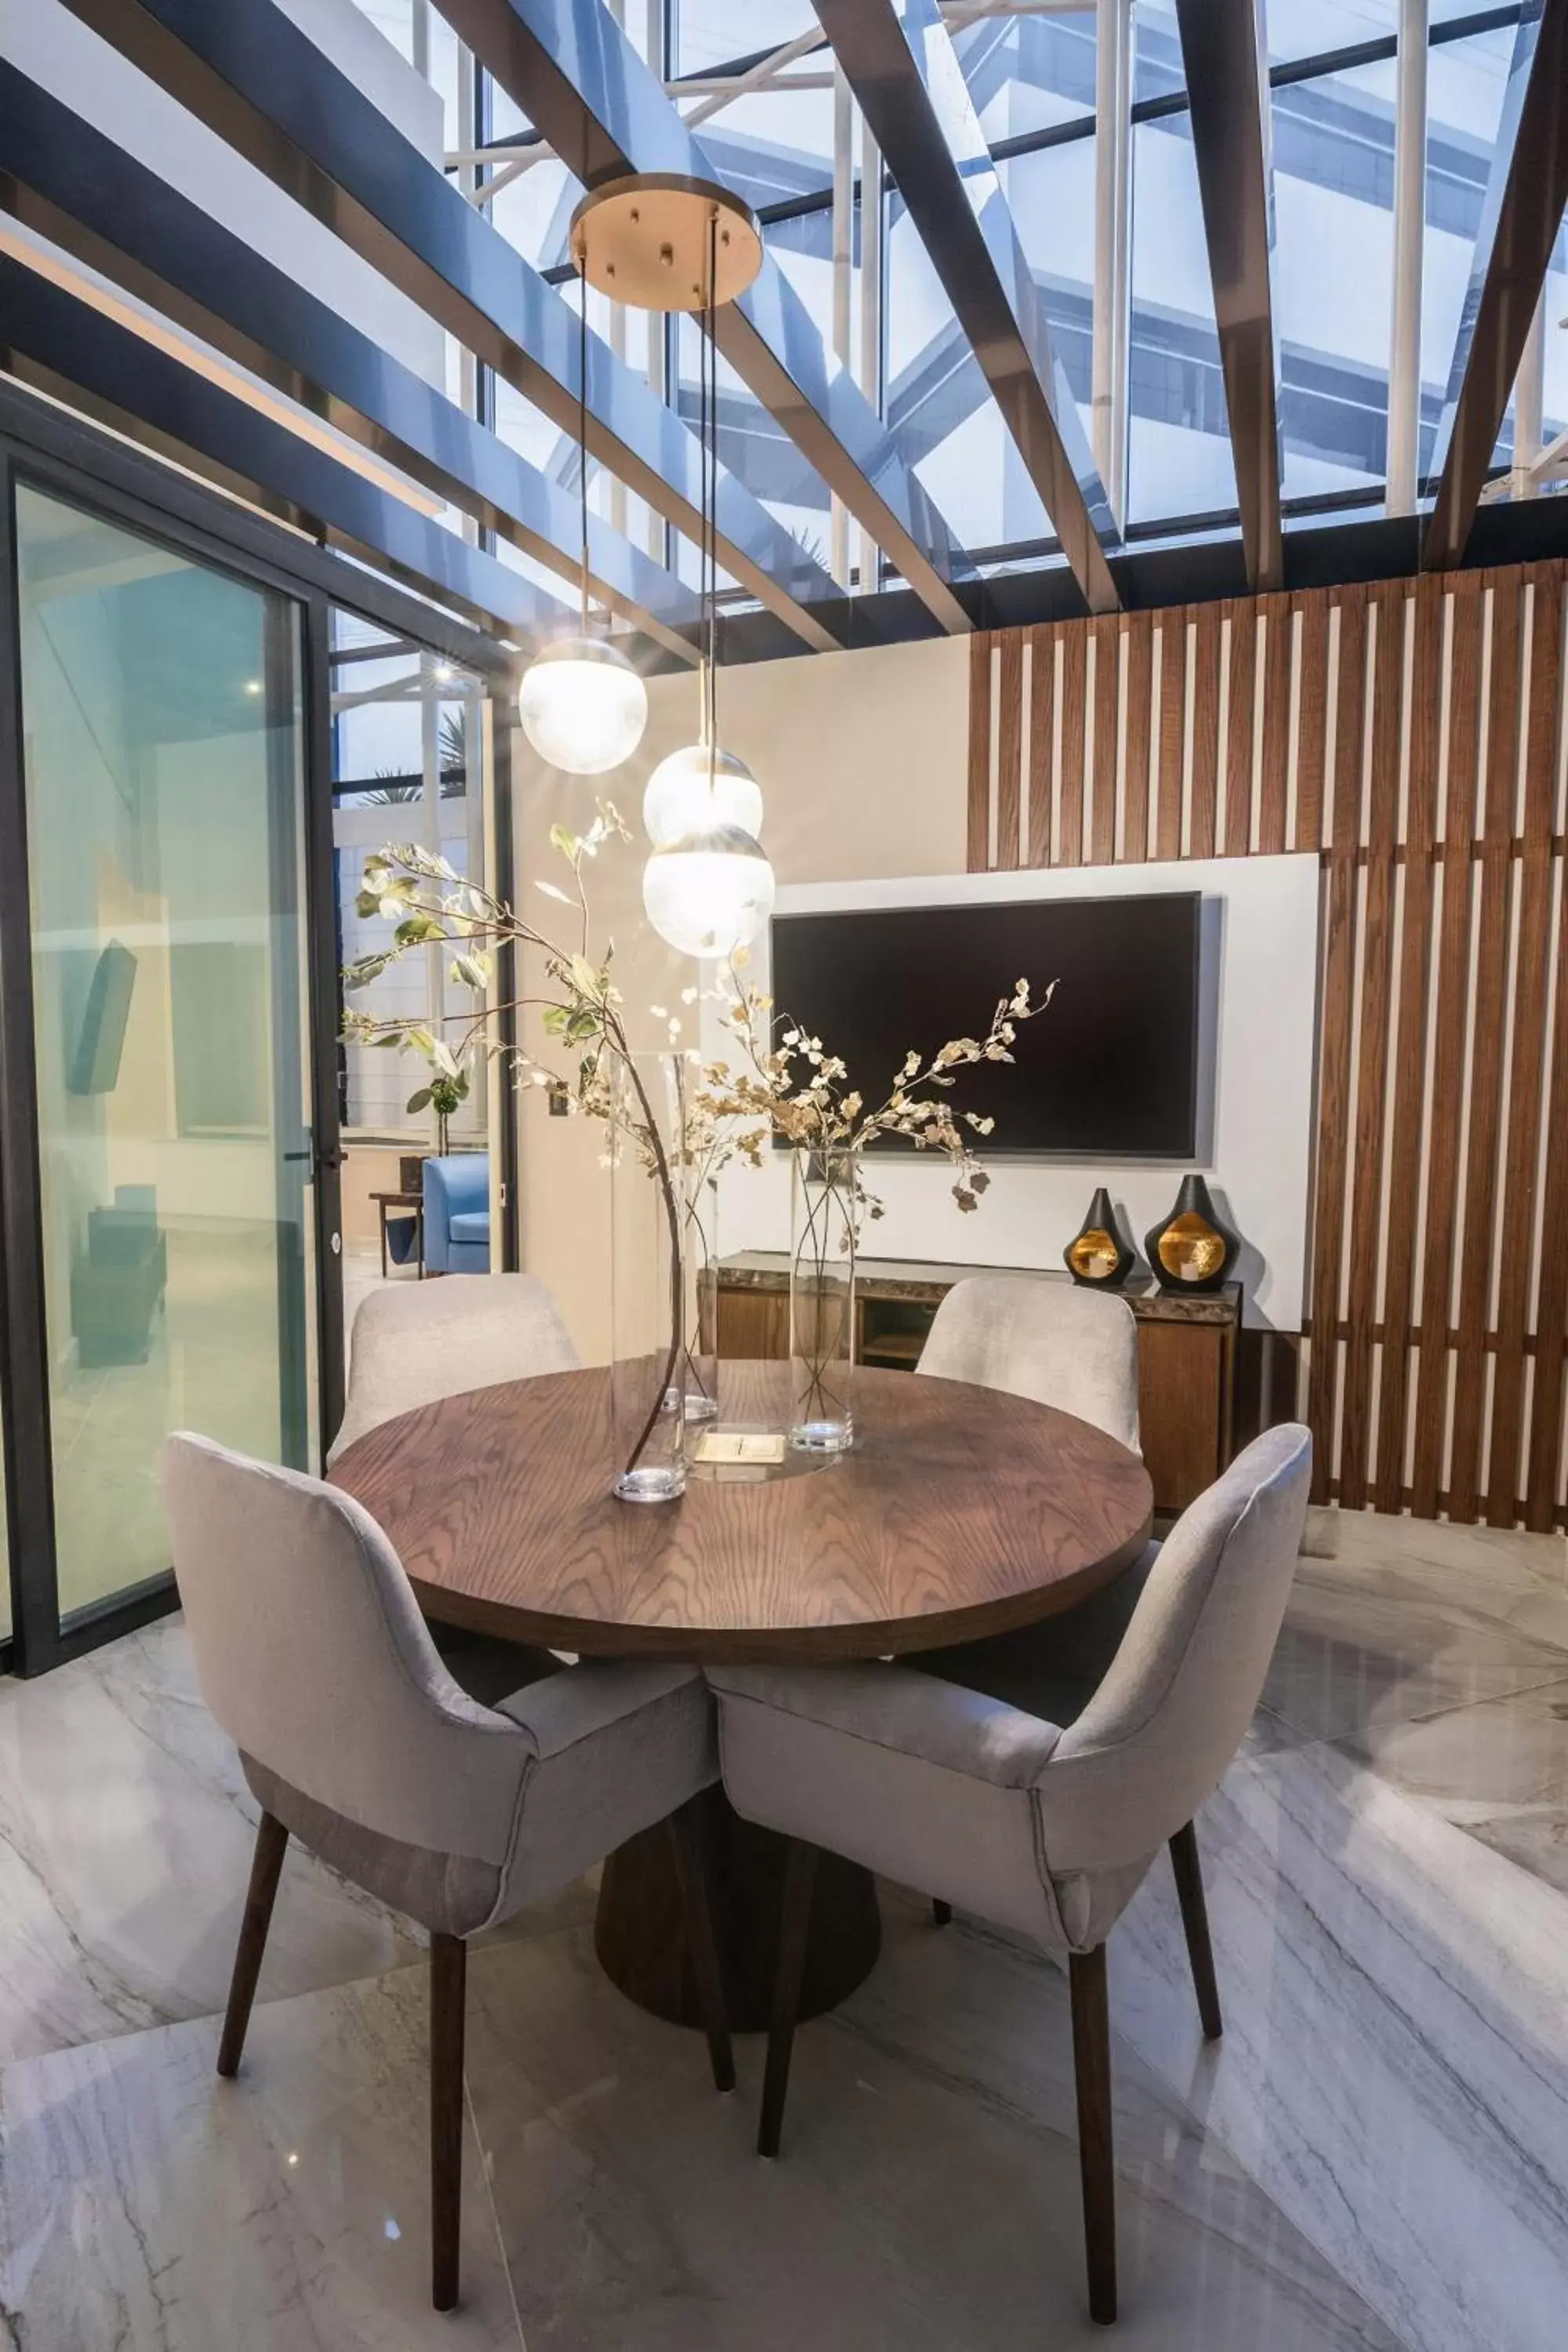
[{"x": 458, "y": 1213}]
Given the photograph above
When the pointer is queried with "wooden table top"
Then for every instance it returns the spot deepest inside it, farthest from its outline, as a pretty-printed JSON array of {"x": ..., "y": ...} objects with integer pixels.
[{"x": 961, "y": 1512}]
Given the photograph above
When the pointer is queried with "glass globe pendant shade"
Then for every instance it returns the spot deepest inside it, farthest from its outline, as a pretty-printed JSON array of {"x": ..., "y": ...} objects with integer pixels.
[
  {"x": 696, "y": 789},
  {"x": 582, "y": 706},
  {"x": 710, "y": 893}
]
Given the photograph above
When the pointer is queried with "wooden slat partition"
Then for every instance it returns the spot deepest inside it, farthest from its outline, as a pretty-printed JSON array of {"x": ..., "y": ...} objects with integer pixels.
[{"x": 1413, "y": 737}]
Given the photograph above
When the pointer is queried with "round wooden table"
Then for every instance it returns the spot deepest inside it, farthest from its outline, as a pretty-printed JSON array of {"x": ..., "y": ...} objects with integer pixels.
[{"x": 961, "y": 1512}]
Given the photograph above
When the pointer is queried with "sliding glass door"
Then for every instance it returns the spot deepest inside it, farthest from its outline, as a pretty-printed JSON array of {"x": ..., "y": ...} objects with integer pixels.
[{"x": 164, "y": 746}]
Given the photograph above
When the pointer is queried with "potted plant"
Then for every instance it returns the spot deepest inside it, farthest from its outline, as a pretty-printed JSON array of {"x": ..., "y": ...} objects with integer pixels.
[{"x": 446, "y": 1095}]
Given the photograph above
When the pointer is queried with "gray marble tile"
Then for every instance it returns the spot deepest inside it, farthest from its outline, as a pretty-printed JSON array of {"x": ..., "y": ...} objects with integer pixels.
[
  {"x": 146, "y": 2205},
  {"x": 1368, "y": 1644},
  {"x": 125, "y": 1842},
  {"x": 1394, "y": 2068},
  {"x": 1501, "y": 1575},
  {"x": 927, "y": 2194},
  {"x": 1498, "y": 1771},
  {"x": 126, "y": 1833}
]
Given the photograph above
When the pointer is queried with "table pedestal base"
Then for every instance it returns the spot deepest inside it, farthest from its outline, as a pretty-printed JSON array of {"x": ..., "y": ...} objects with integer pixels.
[{"x": 640, "y": 1939}]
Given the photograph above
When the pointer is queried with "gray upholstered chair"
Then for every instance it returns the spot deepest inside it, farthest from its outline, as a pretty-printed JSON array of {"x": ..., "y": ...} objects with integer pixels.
[
  {"x": 415, "y": 1342},
  {"x": 1072, "y": 1348},
  {"x": 311, "y": 1654},
  {"x": 1041, "y": 1810}
]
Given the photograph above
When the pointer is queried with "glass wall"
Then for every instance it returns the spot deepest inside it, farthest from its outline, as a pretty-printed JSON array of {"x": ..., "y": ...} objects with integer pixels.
[
  {"x": 407, "y": 765},
  {"x": 162, "y": 746}
]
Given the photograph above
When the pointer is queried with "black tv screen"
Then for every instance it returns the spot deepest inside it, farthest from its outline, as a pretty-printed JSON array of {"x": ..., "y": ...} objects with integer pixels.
[{"x": 1109, "y": 1070}]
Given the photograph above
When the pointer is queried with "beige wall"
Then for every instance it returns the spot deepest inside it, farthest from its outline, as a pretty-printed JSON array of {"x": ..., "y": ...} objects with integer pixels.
[{"x": 862, "y": 761}]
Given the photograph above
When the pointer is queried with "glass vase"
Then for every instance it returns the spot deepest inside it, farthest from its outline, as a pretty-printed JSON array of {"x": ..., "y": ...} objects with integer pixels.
[
  {"x": 648, "y": 1319},
  {"x": 702, "y": 1283},
  {"x": 825, "y": 1214}
]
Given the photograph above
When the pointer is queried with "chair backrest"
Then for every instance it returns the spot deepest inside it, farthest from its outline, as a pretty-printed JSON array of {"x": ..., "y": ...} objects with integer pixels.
[
  {"x": 417, "y": 1341},
  {"x": 312, "y": 1655},
  {"x": 460, "y": 1182},
  {"x": 1074, "y": 1349},
  {"x": 1177, "y": 1697}
]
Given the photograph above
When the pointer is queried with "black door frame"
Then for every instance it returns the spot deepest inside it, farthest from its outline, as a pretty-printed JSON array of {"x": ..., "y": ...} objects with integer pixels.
[{"x": 50, "y": 449}]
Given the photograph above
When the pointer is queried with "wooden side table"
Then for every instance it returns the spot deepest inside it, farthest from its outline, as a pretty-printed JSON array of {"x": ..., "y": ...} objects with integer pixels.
[{"x": 414, "y": 1201}]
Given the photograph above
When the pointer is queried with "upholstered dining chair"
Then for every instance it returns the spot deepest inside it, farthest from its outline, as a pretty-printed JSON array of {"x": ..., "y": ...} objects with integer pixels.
[
  {"x": 1063, "y": 1346},
  {"x": 414, "y": 1342},
  {"x": 1041, "y": 1809},
  {"x": 311, "y": 1654}
]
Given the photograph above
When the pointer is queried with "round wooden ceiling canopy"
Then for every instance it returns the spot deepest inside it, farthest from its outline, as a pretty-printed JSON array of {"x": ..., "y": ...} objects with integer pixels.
[{"x": 645, "y": 240}]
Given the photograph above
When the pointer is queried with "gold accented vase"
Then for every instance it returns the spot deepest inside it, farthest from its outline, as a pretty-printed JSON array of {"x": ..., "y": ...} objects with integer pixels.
[
  {"x": 1098, "y": 1257},
  {"x": 1193, "y": 1248}
]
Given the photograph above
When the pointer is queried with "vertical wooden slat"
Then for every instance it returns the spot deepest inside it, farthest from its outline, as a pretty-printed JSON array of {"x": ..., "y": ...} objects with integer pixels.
[
  {"x": 1075, "y": 655},
  {"x": 1139, "y": 630},
  {"x": 1486, "y": 1050},
  {"x": 1350, "y": 720},
  {"x": 979, "y": 827},
  {"x": 1449, "y": 1047},
  {"x": 1238, "y": 746},
  {"x": 1410, "y": 1056},
  {"x": 1010, "y": 747},
  {"x": 1107, "y": 703},
  {"x": 1334, "y": 1106},
  {"x": 1042, "y": 724},
  {"x": 1173, "y": 732},
  {"x": 1371, "y": 1075},
  {"x": 1522, "y": 1158},
  {"x": 1205, "y": 729},
  {"x": 1312, "y": 718},
  {"x": 1333, "y": 1131},
  {"x": 1274, "y": 760},
  {"x": 1552, "y": 1304}
]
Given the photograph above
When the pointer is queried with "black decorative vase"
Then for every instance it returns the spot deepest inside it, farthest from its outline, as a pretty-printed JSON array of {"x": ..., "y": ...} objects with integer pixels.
[
  {"x": 1098, "y": 1257},
  {"x": 1193, "y": 1248}
]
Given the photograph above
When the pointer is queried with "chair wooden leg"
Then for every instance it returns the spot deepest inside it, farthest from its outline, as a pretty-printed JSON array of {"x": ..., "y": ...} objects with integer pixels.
[
  {"x": 800, "y": 1878},
  {"x": 701, "y": 1943},
  {"x": 271, "y": 1844},
  {"x": 940, "y": 1912},
  {"x": 1092, "y": 2070},
  {"x": 1195, "y": 1920},
  {"x": 448, "y": 1981}
]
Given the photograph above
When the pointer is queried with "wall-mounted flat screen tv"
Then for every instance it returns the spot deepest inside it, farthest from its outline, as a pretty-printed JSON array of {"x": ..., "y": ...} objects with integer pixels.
[{"x": 1110, "y": 1071}]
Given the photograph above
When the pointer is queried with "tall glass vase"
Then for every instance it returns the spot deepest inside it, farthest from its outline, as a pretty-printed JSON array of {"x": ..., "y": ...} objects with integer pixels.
[
  {"x": 825, "y": 1212},
  {"x": 701, "y": 1280},
  {"x": 647, "y": 1122}
]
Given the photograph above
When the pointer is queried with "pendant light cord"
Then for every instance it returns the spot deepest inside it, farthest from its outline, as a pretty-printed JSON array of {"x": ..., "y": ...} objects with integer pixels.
[
  {"x": 583, "y": 435},
  {"x": 710, "y": 398}
]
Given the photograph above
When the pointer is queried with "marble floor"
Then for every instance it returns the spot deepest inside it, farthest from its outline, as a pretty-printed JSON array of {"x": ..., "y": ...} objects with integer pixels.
[{"x": 1375, "y": 2156}]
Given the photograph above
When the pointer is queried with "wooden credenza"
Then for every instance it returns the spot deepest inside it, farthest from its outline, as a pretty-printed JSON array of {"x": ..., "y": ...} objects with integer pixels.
[{"x": 1187, "y": 1348}]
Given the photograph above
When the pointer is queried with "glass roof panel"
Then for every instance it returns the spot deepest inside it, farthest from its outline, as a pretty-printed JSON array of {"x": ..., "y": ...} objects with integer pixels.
[
  {"x": 1178, "y": 460},
  {"x": 1333, "y": 277},
  {"x": 1028, "y": 72},
  {"x": 707, "y": 33},
  {"x": 1467, "y": 82},
  {"x": 1306, "y": 28},
  {"x": 1031, "y": 75}
]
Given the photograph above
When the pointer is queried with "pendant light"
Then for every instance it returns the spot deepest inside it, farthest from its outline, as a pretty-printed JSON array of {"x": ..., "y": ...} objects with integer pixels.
[
  {"x": 582, "y": 706},
  {"x": 671, "y": 244}
]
